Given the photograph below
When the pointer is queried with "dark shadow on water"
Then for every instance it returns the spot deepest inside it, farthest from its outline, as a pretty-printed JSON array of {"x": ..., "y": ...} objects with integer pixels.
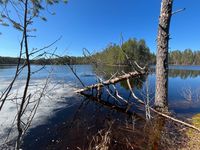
[{"x": 77, "y": 126}]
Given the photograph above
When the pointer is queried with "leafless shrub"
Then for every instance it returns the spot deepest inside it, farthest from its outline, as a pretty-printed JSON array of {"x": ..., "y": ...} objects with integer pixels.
[{"x": 102, "y": 140}]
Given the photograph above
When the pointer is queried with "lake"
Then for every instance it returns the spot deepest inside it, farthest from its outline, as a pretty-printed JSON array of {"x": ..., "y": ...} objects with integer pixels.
[{"x": 66, "y": 120}]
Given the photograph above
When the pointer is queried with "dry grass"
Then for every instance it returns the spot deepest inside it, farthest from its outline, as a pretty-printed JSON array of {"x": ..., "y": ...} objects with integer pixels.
[
  {"x": 101, "y": 141},
  {"x": 194, "y": 136}
]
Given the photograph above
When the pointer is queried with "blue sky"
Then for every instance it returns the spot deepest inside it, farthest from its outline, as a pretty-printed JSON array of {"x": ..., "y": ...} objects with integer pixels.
[{"x": 93, "y": 24}]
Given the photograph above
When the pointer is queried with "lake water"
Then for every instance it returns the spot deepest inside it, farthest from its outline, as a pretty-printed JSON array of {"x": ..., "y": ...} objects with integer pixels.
[{"x": 69, "y": 121}]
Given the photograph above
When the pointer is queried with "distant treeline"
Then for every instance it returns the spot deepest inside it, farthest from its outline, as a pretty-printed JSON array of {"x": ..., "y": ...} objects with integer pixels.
[
  {"x": 186, "y": 57},
  {"x": 9, "y": 60},
  {"x": 115, "y": 54},
  {"x": 46, "y": 61},
  {"x": 62, "y": 61}
]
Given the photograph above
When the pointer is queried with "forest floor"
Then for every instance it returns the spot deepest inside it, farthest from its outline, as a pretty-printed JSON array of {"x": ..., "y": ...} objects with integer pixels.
[{"x": 193, "y": 136}]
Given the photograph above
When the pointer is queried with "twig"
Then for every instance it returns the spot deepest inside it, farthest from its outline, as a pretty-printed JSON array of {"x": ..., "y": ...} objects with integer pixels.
[{"x": 178, "y": 11}]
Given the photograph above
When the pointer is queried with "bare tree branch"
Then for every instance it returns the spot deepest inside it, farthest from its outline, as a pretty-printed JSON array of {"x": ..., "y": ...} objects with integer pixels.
[{"x": 178, "y": 11}]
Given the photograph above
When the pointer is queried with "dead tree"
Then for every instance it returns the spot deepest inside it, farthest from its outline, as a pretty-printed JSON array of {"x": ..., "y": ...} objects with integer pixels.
[
  {"x": 127, "y": 77},
  {"x": 161, "y": 98}
]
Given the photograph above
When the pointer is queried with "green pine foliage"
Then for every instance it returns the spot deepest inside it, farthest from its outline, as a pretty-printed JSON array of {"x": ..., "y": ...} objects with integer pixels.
[{"x": 114, "y": 54}]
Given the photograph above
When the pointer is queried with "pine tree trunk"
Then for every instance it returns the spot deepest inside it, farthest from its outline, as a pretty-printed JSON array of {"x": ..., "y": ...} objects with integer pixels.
[{"x": 161, "y": 99}]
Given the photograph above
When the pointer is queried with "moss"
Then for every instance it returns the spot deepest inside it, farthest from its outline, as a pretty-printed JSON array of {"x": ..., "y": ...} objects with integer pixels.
[
  {"x": 196, "y": 120},
  {"x": 196, "y": 123},
  {"x": 194, "y": 136}
]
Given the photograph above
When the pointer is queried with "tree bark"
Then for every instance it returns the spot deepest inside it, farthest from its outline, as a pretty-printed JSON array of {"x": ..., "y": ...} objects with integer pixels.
[
  {"x": 112, "y": 81},
  {"x": 161, "y": 98}
]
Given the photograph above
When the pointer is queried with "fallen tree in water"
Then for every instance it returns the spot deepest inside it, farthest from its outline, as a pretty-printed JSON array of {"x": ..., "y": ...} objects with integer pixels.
[
  {"x": 112, "y": 81},
  {"x": 117, "y": 97}
]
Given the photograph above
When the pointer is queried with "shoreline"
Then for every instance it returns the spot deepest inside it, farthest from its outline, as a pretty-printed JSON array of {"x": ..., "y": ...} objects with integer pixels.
[{"x": 103, "y": 65}]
